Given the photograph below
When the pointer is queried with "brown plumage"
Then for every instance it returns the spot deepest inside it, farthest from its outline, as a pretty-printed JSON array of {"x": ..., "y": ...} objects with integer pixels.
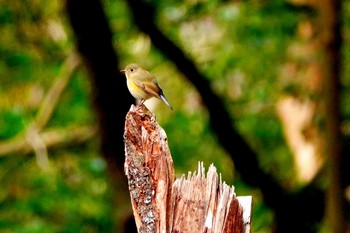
[{"x": 143, "y": 85}]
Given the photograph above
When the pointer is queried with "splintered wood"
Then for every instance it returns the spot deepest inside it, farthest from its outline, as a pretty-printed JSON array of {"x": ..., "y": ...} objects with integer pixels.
[
  {"x": 203, "y": 203},
  {"x": 199, "y": 203}
]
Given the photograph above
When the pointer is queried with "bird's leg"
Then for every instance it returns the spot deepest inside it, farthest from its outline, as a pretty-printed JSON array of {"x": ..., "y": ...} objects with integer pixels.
[{"x": 141, "y": 102}]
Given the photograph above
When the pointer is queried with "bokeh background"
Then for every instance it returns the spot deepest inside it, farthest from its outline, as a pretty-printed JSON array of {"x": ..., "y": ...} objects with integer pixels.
[{"x": 259, "y": 88}]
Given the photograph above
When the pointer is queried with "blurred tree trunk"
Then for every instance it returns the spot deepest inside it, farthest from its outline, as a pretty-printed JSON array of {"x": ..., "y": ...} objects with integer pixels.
[
  {"x": 330, "y": 40},
  {"x": 111, "y": 98},
  {"x": 311, "y": 114}
]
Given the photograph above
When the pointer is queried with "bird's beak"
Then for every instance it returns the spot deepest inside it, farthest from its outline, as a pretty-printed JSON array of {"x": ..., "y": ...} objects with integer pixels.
[{"x": 123, "y": 71}]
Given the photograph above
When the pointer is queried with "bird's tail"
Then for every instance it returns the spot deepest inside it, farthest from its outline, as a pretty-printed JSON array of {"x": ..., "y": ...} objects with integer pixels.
[{"x": 165, "y": 100}]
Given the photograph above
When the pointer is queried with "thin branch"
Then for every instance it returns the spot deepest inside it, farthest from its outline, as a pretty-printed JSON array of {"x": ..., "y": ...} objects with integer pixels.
[
  {"x": 31, "y": 139},
  {"x": 52, "y": 97},
  {"x": 62, "y": 137},
  {"x": 35, "y": 141}
]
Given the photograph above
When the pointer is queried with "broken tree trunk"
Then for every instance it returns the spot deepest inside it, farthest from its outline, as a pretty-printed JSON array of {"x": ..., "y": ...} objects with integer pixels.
[{"x": 200, "y": 203}]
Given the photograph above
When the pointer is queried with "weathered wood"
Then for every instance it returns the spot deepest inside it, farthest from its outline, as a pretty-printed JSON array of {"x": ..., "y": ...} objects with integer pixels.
[
  {"x": 149, "y": 168},
  {"x": 199, "y": 203}
]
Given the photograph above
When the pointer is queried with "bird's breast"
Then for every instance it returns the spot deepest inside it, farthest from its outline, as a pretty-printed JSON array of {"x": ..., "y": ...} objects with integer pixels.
[{"x": 136, "y": 91}]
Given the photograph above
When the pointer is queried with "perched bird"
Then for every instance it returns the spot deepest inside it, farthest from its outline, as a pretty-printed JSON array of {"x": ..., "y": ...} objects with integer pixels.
[{"x": 142, "y": 84}]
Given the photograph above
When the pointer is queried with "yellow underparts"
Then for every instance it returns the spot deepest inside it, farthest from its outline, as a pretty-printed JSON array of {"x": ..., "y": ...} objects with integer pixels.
[{"x": 136, "y": 91}]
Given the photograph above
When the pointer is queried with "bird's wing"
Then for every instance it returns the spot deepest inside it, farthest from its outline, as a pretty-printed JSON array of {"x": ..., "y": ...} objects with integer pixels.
[
  {"x": 153, "y": 89},
  {"x": 139, "y": 84},
  {"x": 150, "y": 88}
]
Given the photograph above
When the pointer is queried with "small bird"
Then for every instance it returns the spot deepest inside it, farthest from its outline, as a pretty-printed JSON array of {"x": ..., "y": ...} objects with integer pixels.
[{"x": 143, "y": 85}]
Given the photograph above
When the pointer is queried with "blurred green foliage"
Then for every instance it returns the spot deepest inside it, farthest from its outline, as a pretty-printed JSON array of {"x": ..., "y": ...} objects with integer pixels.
[{"x": 239, "y": 45}]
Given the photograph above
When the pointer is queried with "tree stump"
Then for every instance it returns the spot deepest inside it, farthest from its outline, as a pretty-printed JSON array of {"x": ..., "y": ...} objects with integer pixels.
[{"x": 199, "y": 203}]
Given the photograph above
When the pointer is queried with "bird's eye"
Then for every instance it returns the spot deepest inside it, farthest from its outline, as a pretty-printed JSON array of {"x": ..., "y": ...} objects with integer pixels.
[{"x": 131, "y": 70}]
